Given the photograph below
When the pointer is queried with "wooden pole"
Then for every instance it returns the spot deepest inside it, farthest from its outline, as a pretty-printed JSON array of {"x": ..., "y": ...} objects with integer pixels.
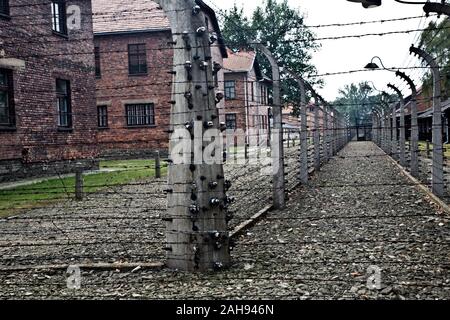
[
  {"x": 79, "y": 181},
  {"x": 157, "y": 165}
]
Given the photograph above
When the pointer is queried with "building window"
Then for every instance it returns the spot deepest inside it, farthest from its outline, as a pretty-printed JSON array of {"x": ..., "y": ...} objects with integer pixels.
[
  {"x": 102, "y": 115},
  {"x": 7, "y": 117},
  {"x": 63, "y": 103},
  {"x": 140, "y": 114},
  {"x": 4, "y": 7},
  {"x": 98, "y": 70},
  {"x": 253, "y": 91},
  {"x": 59, "y": 17},
  {"x": 230, "y": 120},
  {"x": 137, "y": 59},
  {"x": 230, "y": 90}
]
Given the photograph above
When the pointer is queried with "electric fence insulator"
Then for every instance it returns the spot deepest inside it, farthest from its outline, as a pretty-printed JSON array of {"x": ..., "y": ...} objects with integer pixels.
[
  {"x": 196, "y": 10},
  {"x": 220, "y": 96},
  {"x": 188, "y": 95},
  {"x": 223, "y": 126},
  {"x": 208, "y": 124},
  {"x": 200, "y": 31},
  {"x": 217, "y": 266},
  {"x": 193, "y": 209},
  {"x": 213, "y": 38},
  {"x": 204, "y": 65},
  {"x": 214, "y": 202},
  {"x": 213, "y": 185}
]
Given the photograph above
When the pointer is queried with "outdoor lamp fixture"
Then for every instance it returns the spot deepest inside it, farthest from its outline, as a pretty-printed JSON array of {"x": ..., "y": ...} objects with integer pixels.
[
  {"x": 373, "y": 66},
  {"x": 368, "y": 3},
  {"x": 429, "y": 7}
]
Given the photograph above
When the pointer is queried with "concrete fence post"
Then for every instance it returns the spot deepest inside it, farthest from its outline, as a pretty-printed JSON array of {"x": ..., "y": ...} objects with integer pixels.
[
  {"x": 303, "y": 172},
  {"x": 437, "y": 178},
  {"x": 197, "y": 213},
  {"x": 279, "y": 195},
  {"x": 414, "y": 144},
  {"x": 401, "y": 129}
]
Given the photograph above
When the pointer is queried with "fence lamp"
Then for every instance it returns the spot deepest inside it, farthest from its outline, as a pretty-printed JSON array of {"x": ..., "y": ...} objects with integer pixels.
[{"x": 429, "y": 7}]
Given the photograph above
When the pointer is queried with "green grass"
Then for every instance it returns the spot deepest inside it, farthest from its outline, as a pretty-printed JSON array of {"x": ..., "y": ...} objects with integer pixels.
[
  {"x": 13, "y": 201},
  {"x": 128, "y": 164},
  {"x": 423, "y": 148}
]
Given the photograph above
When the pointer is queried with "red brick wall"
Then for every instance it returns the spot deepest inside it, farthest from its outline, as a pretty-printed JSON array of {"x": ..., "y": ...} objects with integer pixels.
[
  {"x": 256, "y": 107},
  {"x": 237, "y": 105},
  {"x": 116, "y": 87},
  {"x": 28, "y": 36}
]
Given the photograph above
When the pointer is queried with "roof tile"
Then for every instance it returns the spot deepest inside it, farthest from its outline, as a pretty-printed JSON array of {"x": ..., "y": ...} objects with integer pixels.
[
  {"x": 111, "y": 16},
  {"x": 241, "y": 61}
]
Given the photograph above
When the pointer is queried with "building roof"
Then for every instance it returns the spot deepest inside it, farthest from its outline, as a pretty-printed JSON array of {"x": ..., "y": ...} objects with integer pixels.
[
  {"x": 429, "y": 113},
  {"x": 244, "y": 61},
  {"x": 241, "y": 61},
  {"x": 135, "y": 16},
  {"x": 124, "y": 16}
]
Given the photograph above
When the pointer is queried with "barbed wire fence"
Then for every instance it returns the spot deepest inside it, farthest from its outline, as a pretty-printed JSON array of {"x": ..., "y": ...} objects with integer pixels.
[{"x": 127, "y": 224}]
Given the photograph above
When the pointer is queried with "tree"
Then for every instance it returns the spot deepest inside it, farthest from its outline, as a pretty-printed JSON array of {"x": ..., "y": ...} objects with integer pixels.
[
  {"x": 282, "y": 30},
  {"x": 436, "y": 41},
  {"x": 357, "y": 101}
]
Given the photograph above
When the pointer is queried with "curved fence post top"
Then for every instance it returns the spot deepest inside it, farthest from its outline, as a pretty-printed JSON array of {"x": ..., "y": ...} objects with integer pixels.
[
  {"x": 425, "y": 56},
  {"x": 397, "y": 90},
  {"x": 301, "y": 84},
  {"x": 408, "y": 80}
]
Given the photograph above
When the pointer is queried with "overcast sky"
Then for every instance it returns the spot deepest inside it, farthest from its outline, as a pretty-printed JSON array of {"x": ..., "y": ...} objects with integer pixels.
[{"x": 353, "y": 54}]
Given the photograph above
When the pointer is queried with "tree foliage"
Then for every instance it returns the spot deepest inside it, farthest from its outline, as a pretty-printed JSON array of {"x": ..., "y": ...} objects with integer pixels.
[
  {"x": 356, "y": 101},
  {"x": 435, "y": 40},
  {"x": 281, "y": 28}
]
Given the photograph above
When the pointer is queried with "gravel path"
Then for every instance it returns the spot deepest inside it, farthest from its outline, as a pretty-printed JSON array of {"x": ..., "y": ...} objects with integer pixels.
[{"x": 358, "y": 212}]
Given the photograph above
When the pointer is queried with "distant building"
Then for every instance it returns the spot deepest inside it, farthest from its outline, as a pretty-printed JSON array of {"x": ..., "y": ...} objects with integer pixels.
[
  {"x": 425, "y": 117},
  {"x": 47, "y": 88},
  {"x": 246, "y": 93},
  {"x": 134, "y": 84}
]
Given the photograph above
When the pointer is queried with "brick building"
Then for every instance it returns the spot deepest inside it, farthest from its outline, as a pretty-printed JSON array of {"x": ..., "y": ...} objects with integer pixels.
[
  {"x": 134, "y": 85},
  {"x": 246, "y": 93},
  {"x": 425, "y": 117},
  {"x": 46, "y": 87}
]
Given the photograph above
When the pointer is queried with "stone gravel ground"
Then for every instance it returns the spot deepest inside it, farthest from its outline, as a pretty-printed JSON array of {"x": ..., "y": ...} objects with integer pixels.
[
  {"x": 120, "y": 224},
  {"x": 358, "y": 212}
]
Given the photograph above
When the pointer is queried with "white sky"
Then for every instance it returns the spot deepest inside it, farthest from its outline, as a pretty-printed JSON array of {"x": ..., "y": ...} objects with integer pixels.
[{"x": 353, "y": 54}]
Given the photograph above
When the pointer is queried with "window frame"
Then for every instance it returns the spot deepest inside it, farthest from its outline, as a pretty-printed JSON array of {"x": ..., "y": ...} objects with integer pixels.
[
  {"x": 10, "y": 106},
  {"x": 102, "y": 119},
  {"x": 59, "y": 19},
  {"x": 226, "y": 90},
  {"x": 7, "y": 12},
  {"x": 67, "y": 97},
  {"x": 234, "y": 120},
  {"x": 145, "y": 119},
  {"x": 138, "y": 55}
]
